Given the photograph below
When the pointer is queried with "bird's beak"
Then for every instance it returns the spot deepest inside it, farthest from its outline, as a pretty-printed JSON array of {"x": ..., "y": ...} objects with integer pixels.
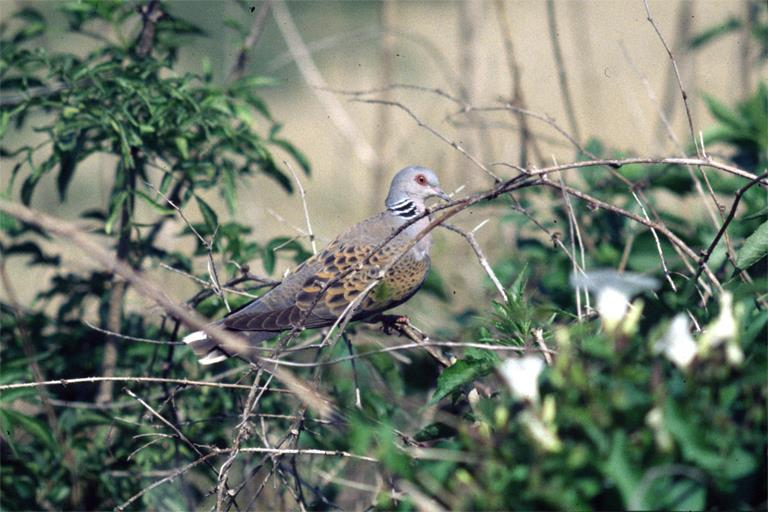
[{"x": 441, "y": 194}]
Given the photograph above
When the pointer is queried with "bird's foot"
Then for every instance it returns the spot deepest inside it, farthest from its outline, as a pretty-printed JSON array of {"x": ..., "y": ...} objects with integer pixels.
[{"x": 395, "y": 323}]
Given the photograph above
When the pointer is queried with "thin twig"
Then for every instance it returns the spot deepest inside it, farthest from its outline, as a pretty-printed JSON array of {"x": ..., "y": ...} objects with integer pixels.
[
  {"x": 472, "y": 241},
  {"x": 321, "y": 403},
  {"x": 257, "y": 29},
  {"x": 358, "y": 400},
  {"x": 731, "y": 213},
  {"x": 165, "y": 422},
  {"x": 658, "y": 244},
  {"x": 130, "y": 338},
  {"x": 129, "y": 379},
  {"x": 684, "y": 95},
  {"x": 303, "y": 197},
  {"x": 575, "y": 235},
  {"x": 434, "y": 132},
  {"x": 421, "y": 343}
]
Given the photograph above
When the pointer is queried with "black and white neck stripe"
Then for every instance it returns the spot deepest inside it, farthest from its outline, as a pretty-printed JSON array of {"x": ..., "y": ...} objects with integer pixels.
[{"x": 405, "y": 209}]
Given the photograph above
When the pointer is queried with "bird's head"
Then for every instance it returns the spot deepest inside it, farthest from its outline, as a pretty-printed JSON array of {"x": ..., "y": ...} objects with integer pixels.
[{"x": 413, "y": 185}]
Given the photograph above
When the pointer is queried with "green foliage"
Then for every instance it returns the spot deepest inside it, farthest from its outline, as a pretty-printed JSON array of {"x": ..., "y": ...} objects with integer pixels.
[
  {"x": 754, "y": 249},
  {"x": 758, "y": 23},
  {"x": 745, "y": 127},
  {"x": 175, "y": 138}
]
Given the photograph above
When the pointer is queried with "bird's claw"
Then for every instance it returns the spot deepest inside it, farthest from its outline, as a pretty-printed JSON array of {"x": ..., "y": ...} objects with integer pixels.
[{"x": 396, "y": 323}]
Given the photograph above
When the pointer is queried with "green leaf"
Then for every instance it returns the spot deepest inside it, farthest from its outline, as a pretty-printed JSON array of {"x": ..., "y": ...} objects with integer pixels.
[
  {"x": 210, "y": 217},
  {"x": 297, "y": 155},
  {"x": 754, "y": 249},
  {"x": 475, "y": 365},
  {"x": 434, "y": 431},
  {"x": 182, "y": 145},
  {"x": 518, "y": 287},
  {"x": 739, "y": 464},
  {"x": 165, "y": 183},
  {"x": 714, "y": 32},
  {"x": 689, "y": 434},
  {"x": 32, "y": 425},
  {"x": 28, "y": 187},
  {"x": 68, "y": 161},
  {"x": 619, "y": 469},
  {"x": 228, "y": 190},
  {"x": 114, "y": 211},
  {"x": 5, "y": 117},
  {"x": 163, "y": 210},
  {"x": 763, "y": 212},
  {"x": 723, "y": 113}
]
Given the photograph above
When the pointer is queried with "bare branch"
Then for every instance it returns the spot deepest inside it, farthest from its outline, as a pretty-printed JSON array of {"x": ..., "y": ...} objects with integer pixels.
[
  {"x": 228, "y": 340},
  {"x": 257, "y": 28},
  {"x": 677, "y": 75},
  {"x": 303, "y": 196},
  {"x": 434, "y": 132},
  {"x": 472, "y": 241}
]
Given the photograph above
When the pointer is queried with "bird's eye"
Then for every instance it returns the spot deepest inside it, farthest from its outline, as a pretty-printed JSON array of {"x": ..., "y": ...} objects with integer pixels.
[{"x": 421, "y": 179}]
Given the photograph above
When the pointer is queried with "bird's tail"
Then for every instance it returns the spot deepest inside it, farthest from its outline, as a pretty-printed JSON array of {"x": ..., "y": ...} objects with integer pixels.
[
  {"x": 209, "y": 352},
  {"x": 206, "y": 350}
]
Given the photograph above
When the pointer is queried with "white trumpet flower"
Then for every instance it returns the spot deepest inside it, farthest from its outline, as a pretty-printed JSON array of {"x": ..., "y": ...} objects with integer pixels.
[
  {"x": 722, "y": 329},
  {"x": 522, "y": 376},
  {"x": 677, "y": 344},
  {"x": 613, "y": 292}
]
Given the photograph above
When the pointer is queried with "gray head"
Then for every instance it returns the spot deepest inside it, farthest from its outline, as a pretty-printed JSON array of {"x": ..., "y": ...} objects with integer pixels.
[{"x": 410, "y": 188}]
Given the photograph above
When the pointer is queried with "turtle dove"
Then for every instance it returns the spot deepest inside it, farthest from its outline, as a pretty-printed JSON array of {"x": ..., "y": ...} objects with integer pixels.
[{"x": 321, "y": 289}]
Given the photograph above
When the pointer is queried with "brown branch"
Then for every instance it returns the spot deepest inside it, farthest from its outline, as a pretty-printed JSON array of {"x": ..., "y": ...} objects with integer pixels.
[
  {"x": 472, "y": 241},
  {"x": 322, "y": 404},
  {"x": 684, "y": 94},
  {"x": 434, "y": 132},
  {"x": 737, "y": 198},
  {"x": 129, "y": 379},
  {"x": 150, "y": 14},
  {"x": 257, "y": 29}
]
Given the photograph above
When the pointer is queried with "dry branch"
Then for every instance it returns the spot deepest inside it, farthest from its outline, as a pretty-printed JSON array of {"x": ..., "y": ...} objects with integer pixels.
[{"x": 322, "y": 404}]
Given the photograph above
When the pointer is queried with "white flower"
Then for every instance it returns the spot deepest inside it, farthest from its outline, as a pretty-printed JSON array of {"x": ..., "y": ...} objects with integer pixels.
[
  {"x": 722, "y": 329},
  {"x": 545, "y": 435},
  {"x": 613, "y": 291},
  {"x": 522, "y": 376},
  {"x": 677, "y": 344},
  {"x": 733, "y": 353},
  {"x": 655, "y": 420}
]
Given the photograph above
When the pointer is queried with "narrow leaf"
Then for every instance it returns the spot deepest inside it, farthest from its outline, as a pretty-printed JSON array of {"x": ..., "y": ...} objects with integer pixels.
[
  {"x": 754, "y": 249},
  {"x": 210, "y": 217}
]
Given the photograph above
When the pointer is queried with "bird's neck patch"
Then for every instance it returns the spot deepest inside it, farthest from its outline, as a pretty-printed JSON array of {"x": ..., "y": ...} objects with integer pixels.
[{"x": 405, "y": 209}]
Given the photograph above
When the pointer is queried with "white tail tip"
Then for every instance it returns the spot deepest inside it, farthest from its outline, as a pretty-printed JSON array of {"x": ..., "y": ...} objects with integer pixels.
[{"x": 206, "y": 349}]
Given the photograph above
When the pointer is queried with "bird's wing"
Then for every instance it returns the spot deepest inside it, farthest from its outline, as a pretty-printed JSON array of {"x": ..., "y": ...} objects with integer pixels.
[{"x": 300, "y": 300}]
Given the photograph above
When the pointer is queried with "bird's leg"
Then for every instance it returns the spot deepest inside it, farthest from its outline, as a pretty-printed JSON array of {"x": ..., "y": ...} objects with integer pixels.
[{"x": 391, "y": 323}]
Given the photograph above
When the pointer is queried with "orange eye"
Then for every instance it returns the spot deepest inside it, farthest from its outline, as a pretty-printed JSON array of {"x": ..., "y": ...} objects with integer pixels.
[{"x": 421, "y": 179}]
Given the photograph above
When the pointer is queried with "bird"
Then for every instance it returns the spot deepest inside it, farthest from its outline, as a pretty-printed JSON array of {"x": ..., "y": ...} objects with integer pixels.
[{"x": 321, "y": 290}]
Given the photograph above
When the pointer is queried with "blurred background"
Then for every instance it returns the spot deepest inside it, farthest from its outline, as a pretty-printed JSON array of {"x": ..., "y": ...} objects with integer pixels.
[{"x": 616, "y": 70}]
